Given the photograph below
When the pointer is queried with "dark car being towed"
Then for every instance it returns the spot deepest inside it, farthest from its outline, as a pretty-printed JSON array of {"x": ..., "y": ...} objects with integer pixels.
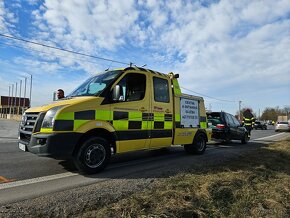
[{"x": 225, "y": 127}]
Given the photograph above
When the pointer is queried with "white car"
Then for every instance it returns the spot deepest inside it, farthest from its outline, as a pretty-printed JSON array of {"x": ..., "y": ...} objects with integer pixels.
[{"x": 282, "y": 126}]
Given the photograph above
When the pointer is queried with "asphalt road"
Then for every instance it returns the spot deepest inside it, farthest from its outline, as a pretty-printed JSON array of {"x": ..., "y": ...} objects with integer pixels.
[
  {"x": 18, "y": 165},
  {"x": 46, "y": 175}
]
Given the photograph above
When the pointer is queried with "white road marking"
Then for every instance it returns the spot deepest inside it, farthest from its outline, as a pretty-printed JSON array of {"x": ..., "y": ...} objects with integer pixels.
[
  {"x": 267, "y": 137},
  {"x": 36, "y": 180}
]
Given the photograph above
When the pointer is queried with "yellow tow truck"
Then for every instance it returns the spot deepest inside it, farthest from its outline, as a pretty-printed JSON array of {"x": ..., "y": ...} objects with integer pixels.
[{"x": 114, "y": 112}]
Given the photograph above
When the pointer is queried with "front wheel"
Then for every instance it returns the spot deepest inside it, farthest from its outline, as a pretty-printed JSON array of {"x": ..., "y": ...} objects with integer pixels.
[
  {"x": 93, "y": 155},
  {"x": 198, "y": 146}
]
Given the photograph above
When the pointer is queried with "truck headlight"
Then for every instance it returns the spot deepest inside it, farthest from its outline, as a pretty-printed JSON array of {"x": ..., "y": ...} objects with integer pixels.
[
  {"x": 48, "y": 119},
  {"x": 23, "y": 119}
]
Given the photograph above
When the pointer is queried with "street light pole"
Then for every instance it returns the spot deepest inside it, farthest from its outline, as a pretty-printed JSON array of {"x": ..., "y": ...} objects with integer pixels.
[
  {"x": 15, "y": 100},
  {"x": 19, "y": 105},
  {"x": 7, "y": 110},
  {"x": 24, "y": 97},
  {"x": 11, "y": 100},
  {"x": 30, "y": 89}
]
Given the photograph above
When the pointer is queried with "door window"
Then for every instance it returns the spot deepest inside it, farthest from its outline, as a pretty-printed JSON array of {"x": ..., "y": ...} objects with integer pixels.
[
  {"x": 161, "y": 90},
  {"x": 229, "y": 119},
  {"x": 132, "y": 87},
  {"x": 236, "y": 122}
]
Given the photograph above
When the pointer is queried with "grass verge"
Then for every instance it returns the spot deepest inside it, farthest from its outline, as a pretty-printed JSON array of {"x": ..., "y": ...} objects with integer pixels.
[{"x": 256, "y": 184}]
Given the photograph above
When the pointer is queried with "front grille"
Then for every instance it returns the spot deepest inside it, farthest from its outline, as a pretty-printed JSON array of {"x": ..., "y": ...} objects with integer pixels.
[{"x": 26, "y": 126}]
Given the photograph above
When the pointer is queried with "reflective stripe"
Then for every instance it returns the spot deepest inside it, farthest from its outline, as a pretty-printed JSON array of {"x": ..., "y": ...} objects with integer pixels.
[
  {"x": 176, "y": 87},
  {"x": 121, "y": 120},
  {"x": 103, "y": 115},
  {"x": 46, "y": 130},
  {"x": 203, "y": 125},
  {"x": 65, "y": 116},
  {"x": 168, "y": 125},
  {"x": 135, "y": 116},
  {"x": 145, "y": 125},
  {"x": 177, "y": 117},
  {"x": 121, "y": 124},
  {"x": 159, "y": 117},
  {"x": 79, "y": 123}
]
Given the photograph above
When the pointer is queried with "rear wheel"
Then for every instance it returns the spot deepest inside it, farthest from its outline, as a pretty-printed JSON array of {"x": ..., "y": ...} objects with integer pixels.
[
  {"x": 198, "y": 146},
  {"x": 93, "y": 155},
  {"x": 245, "y": 139}
]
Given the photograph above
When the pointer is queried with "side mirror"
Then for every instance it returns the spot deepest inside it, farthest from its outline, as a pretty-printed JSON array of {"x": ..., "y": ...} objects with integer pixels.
[{"x": 116, "y": 93}]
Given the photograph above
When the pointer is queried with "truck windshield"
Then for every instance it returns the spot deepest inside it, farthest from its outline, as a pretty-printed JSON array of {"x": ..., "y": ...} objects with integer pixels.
[{"x": 96, "y": 84}]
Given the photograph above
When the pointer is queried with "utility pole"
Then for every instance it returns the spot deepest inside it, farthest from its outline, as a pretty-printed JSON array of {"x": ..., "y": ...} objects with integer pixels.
[{"x": 240, "y": 103}]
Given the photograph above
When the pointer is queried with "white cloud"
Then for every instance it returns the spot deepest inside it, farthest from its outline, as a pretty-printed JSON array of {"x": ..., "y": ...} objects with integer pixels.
[
  {"x": 2, "y": 21},
  {"x": 87, "y": 25},
  {"x": 6, "y": 17}
]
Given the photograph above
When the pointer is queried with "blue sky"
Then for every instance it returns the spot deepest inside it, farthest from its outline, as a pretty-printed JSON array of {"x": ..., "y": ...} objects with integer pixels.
[{"x": 228, "y": 51}]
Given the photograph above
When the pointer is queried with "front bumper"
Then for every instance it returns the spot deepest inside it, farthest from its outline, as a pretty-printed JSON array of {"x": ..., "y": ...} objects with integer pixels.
[{"x": 59, "y": 145}]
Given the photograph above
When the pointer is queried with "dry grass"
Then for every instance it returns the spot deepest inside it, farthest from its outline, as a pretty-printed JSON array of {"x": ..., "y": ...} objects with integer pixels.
[{"x": 253, "y": 185}]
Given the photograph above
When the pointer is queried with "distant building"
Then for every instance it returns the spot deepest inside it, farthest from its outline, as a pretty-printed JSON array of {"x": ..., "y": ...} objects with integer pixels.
[
  {"x": 282, "y": 118},
  {"x": 13, "y": 105}
]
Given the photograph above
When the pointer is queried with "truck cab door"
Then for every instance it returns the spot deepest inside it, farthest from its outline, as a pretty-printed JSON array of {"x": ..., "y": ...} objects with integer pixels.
[
  {"x": 131, "y": 112},
  {"x": 161, "y": 125}
]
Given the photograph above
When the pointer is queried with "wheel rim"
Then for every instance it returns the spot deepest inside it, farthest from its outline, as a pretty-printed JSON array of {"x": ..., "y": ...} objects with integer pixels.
[
  {"x": 95, "y": 155},
  {"x": 200, "y": 144}
]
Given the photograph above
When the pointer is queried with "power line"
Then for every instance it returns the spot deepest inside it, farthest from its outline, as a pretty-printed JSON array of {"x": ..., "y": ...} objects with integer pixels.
[
  {"x": 56, "y": 55},
  {"x": 208, "y": 96},
  {"x": 61, "y": 49}
]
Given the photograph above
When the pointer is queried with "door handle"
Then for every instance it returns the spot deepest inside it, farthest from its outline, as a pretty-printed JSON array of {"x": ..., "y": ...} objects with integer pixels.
[{"x": 142, "y": 109}]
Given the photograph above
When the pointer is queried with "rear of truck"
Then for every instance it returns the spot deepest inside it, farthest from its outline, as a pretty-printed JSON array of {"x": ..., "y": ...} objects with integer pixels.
[{"x": 191, "y": 128}]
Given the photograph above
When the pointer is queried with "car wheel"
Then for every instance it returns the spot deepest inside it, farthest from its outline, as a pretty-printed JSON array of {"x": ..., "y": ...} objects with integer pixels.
[
  {"x": 93, "y": 155},
  {"x": 198, "y": 146},
  {"x": 245, "y": 139}
]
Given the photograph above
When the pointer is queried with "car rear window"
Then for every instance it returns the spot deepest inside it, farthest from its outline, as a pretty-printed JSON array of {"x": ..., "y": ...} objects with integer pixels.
[
  {"x": 214, "y": 118},
  {"x": 282, "y": 123},
  {"x": 214, "y": 121}
]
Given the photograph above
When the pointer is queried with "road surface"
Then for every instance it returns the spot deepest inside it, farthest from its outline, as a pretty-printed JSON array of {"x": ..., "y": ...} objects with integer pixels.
[{"x": 24, "y": 175}]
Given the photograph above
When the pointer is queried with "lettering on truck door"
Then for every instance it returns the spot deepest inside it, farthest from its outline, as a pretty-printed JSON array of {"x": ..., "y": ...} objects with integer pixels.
[
  {"x": 131, "y": 113},
  {"x": 162, "y": 110}
]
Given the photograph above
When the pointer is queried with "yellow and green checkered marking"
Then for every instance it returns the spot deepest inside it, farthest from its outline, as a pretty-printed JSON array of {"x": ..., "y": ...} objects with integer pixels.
[{"x": 121, "y": 120}]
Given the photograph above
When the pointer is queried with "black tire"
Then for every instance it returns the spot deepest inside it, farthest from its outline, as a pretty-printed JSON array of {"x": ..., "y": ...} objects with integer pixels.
[
  {"x": 227, "y": 139},
  {"x": 198, "y": 146},
  {"x": 245, "y": 139},
  {"x": 93, "y": 155}
]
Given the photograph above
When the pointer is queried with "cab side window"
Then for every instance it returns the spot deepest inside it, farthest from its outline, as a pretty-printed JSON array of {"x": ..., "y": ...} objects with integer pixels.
[
  {"x": 161, "y": 90},
  {"x": 132, "y": 87}
]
